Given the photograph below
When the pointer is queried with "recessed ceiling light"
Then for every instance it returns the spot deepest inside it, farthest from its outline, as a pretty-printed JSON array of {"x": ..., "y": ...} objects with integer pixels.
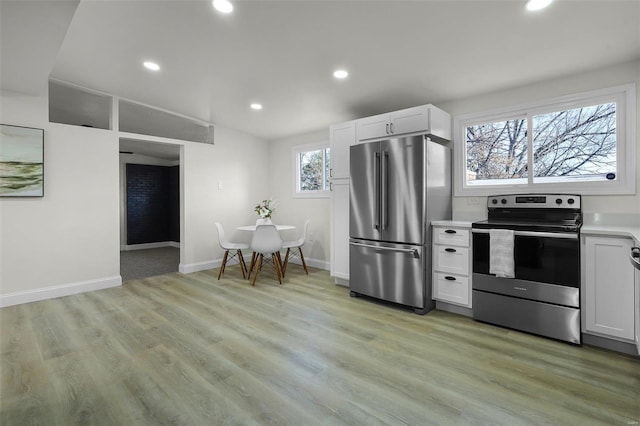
[
  {"x": 340, "y": 74},
  {"x": 223, "y": 6},
  {"x": 151, "y": 66},
  {"x": 537, "y": 4},
  {"x": 256, "y": 106}
]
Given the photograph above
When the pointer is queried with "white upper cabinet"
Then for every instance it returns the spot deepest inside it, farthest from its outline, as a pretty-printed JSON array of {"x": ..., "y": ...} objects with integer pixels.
[
  {"x": 373, "y": 127},
  {"x": 421, "y": 119},
  {"x": 342, "y": 136}
]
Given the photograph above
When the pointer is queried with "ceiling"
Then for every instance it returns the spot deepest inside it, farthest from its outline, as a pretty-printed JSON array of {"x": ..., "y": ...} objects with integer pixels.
[
  {"x": 282, "y": 53},
  {"x": 163, "y": 151}
]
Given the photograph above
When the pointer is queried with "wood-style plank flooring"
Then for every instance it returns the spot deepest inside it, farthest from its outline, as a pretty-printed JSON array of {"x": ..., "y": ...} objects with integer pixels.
[{"x": 192, "y": 350}]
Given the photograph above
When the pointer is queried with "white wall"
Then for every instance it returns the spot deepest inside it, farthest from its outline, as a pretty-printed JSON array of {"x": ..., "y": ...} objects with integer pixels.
[
  {"x": 295, "y": 211},
  {"x": 69, "y": 240},
  {"x": 464, "y": 207},
  {"x": 219, "y": 184}
]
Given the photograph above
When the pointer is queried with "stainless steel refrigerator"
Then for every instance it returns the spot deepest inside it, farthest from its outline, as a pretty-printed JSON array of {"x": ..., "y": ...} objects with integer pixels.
[{"x": 397, "y": 187}]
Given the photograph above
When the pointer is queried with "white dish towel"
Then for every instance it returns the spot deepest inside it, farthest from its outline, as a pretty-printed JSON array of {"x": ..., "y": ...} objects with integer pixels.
[{"x": 501, "y": 253}]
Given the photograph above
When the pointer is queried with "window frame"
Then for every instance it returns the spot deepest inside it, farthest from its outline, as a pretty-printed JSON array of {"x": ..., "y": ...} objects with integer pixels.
[
  {"x": 625, "y": 98},
  {"x": 296, "y": 151}
]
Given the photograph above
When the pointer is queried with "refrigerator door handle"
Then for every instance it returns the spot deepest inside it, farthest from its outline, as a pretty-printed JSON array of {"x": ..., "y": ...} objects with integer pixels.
[
  {"x": 414, "y": 252},
  {"x": 384, "y": 188},
  {"x": 376, "y": 172}
]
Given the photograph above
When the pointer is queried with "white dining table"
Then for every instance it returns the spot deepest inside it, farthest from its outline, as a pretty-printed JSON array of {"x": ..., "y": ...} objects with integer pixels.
[{"x": 278, "y": 227}]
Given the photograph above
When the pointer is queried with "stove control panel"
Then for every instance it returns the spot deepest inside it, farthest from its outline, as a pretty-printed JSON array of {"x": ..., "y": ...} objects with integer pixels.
[{"x": 542, "y": 201}]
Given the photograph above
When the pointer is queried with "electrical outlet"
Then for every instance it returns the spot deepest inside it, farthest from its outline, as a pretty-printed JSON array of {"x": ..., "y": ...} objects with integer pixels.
[
  {"x": 219, "y": 185},
  {"x": 473, "y": 201}
]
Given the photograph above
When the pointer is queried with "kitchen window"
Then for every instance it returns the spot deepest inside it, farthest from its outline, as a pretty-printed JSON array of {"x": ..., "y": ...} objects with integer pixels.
[
  {"x": 312, "y": 164},
  {"x": 583, "y": 143}
]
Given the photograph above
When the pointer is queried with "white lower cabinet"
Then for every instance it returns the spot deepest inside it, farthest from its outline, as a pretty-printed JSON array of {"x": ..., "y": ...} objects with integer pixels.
[
  {"x": 451, "y": 288},
  {"x": 451, "y": 265},
  {"x": 609, "y": 287},
  {"x": 340, "y": 229}
]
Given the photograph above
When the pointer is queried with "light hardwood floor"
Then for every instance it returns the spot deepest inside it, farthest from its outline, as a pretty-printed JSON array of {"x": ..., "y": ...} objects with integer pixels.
[{"x": 192, "y": 350}]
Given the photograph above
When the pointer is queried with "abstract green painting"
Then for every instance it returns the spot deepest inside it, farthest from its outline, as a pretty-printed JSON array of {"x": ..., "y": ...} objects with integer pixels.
[{"x": 21, "y": 161}]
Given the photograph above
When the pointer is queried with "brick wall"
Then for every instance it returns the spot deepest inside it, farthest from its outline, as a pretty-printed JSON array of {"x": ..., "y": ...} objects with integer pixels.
[{"x": 153, "y": 203}]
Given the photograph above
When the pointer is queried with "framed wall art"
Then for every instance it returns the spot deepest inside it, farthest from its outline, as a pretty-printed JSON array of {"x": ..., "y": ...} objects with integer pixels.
[{"x": 21, "y": 161}]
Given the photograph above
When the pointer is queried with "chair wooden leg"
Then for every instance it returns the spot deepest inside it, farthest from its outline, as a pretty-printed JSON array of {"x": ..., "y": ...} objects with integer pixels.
[
  {"x": 280, "y": 263},
  {"x": 286, "y": 262},
  {"x": 304, "y": 264},
  {"x": 258, "y": 269},
  {"x": 243, "y": 266},
  {"x": 224, "y": 262},
  {"x": 253, "y": 263},
  {"x": 276, "y": 266}
]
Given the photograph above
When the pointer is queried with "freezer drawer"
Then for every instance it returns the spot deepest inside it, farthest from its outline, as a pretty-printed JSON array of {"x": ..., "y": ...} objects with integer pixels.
[{"x": 391, "y": 272}]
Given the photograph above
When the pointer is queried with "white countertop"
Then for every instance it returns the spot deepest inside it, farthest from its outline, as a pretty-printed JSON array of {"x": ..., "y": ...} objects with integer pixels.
[
  {"x": 616, "y": 225},
  {"x": 612, "y": 230},
  {"x": 452, "y": 223}
]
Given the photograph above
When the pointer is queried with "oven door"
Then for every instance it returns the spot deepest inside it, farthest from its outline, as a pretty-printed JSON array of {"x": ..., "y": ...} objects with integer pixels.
[
  {"x": 543, "y": 297},
  {"x": 544, "y": 257}
]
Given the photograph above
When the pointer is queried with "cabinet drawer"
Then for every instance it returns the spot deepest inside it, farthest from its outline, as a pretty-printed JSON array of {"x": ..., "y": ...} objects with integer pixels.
[
  {"x": 451, "y": 236},
  {"x": 454, "y": 260},
  {"x": 451, "y": 288}
]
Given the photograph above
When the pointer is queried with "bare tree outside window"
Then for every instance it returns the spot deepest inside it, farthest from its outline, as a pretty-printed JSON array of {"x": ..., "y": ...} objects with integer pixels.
[
  {"x": 314, "y": 167},
  {"x": 576, "y": 143},
  {"x": 497, "y": 150}
]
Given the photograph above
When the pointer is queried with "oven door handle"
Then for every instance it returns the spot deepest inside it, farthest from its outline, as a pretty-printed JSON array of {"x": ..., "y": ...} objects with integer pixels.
[{"x": 534, "y": 234}]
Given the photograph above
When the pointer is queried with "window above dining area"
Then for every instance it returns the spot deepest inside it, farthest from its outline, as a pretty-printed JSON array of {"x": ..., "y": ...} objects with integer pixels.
[{"x": 311, "y": 165}]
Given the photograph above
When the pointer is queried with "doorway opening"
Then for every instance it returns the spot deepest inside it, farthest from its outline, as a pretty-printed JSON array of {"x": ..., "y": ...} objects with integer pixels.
[{"x": 149, "y": 208}]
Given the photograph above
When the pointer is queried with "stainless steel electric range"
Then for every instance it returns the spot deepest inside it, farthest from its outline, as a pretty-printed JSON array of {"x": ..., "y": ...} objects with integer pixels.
[{"x": 543, "y": 295}]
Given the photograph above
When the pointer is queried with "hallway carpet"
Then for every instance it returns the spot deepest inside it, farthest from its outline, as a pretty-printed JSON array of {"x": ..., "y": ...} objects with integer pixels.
[{"x": 138, "y": 264}]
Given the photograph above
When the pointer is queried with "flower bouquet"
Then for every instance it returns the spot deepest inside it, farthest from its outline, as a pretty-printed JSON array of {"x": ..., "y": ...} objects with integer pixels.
[{"x": 265, "y": 208}]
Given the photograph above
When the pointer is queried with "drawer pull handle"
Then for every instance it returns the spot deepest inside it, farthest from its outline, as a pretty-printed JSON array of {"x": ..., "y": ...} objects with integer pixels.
[
  {"x": 450, "y": 231},
  {"x": 450, "y": 278},
  {"x": 450, "y": 250}
]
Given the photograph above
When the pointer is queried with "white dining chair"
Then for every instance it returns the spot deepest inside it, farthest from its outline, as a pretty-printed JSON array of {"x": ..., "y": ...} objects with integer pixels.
[
  {"x": 234, "y": 248},
  {"x": 291, "y": 247},
  {"x": 266, "y": 240}
]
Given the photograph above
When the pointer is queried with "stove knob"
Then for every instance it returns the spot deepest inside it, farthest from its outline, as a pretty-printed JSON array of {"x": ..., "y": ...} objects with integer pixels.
[
  {"x": 494, "y": 201},
  {"x": 558, "y": 200},
  {"x": 503, "y": 201},
  {"x": 570, "y": 201}
]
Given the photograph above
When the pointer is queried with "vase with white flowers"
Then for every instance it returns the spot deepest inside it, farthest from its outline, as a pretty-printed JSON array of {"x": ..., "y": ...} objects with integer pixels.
[{"x": 265, "y": 209}]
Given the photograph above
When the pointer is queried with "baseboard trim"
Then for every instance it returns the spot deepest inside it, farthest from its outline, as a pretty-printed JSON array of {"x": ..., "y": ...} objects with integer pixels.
[
  {"x": 198, "y": 266},
  {"x": 610, "y": 344},
  {"x": 127, "y": 247},
  {"x": 53, "y": 292},
  {"x": 341, "y": 281},
  {"x": 454, "y": 309},
  {"x": 314, "y": 263}
]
